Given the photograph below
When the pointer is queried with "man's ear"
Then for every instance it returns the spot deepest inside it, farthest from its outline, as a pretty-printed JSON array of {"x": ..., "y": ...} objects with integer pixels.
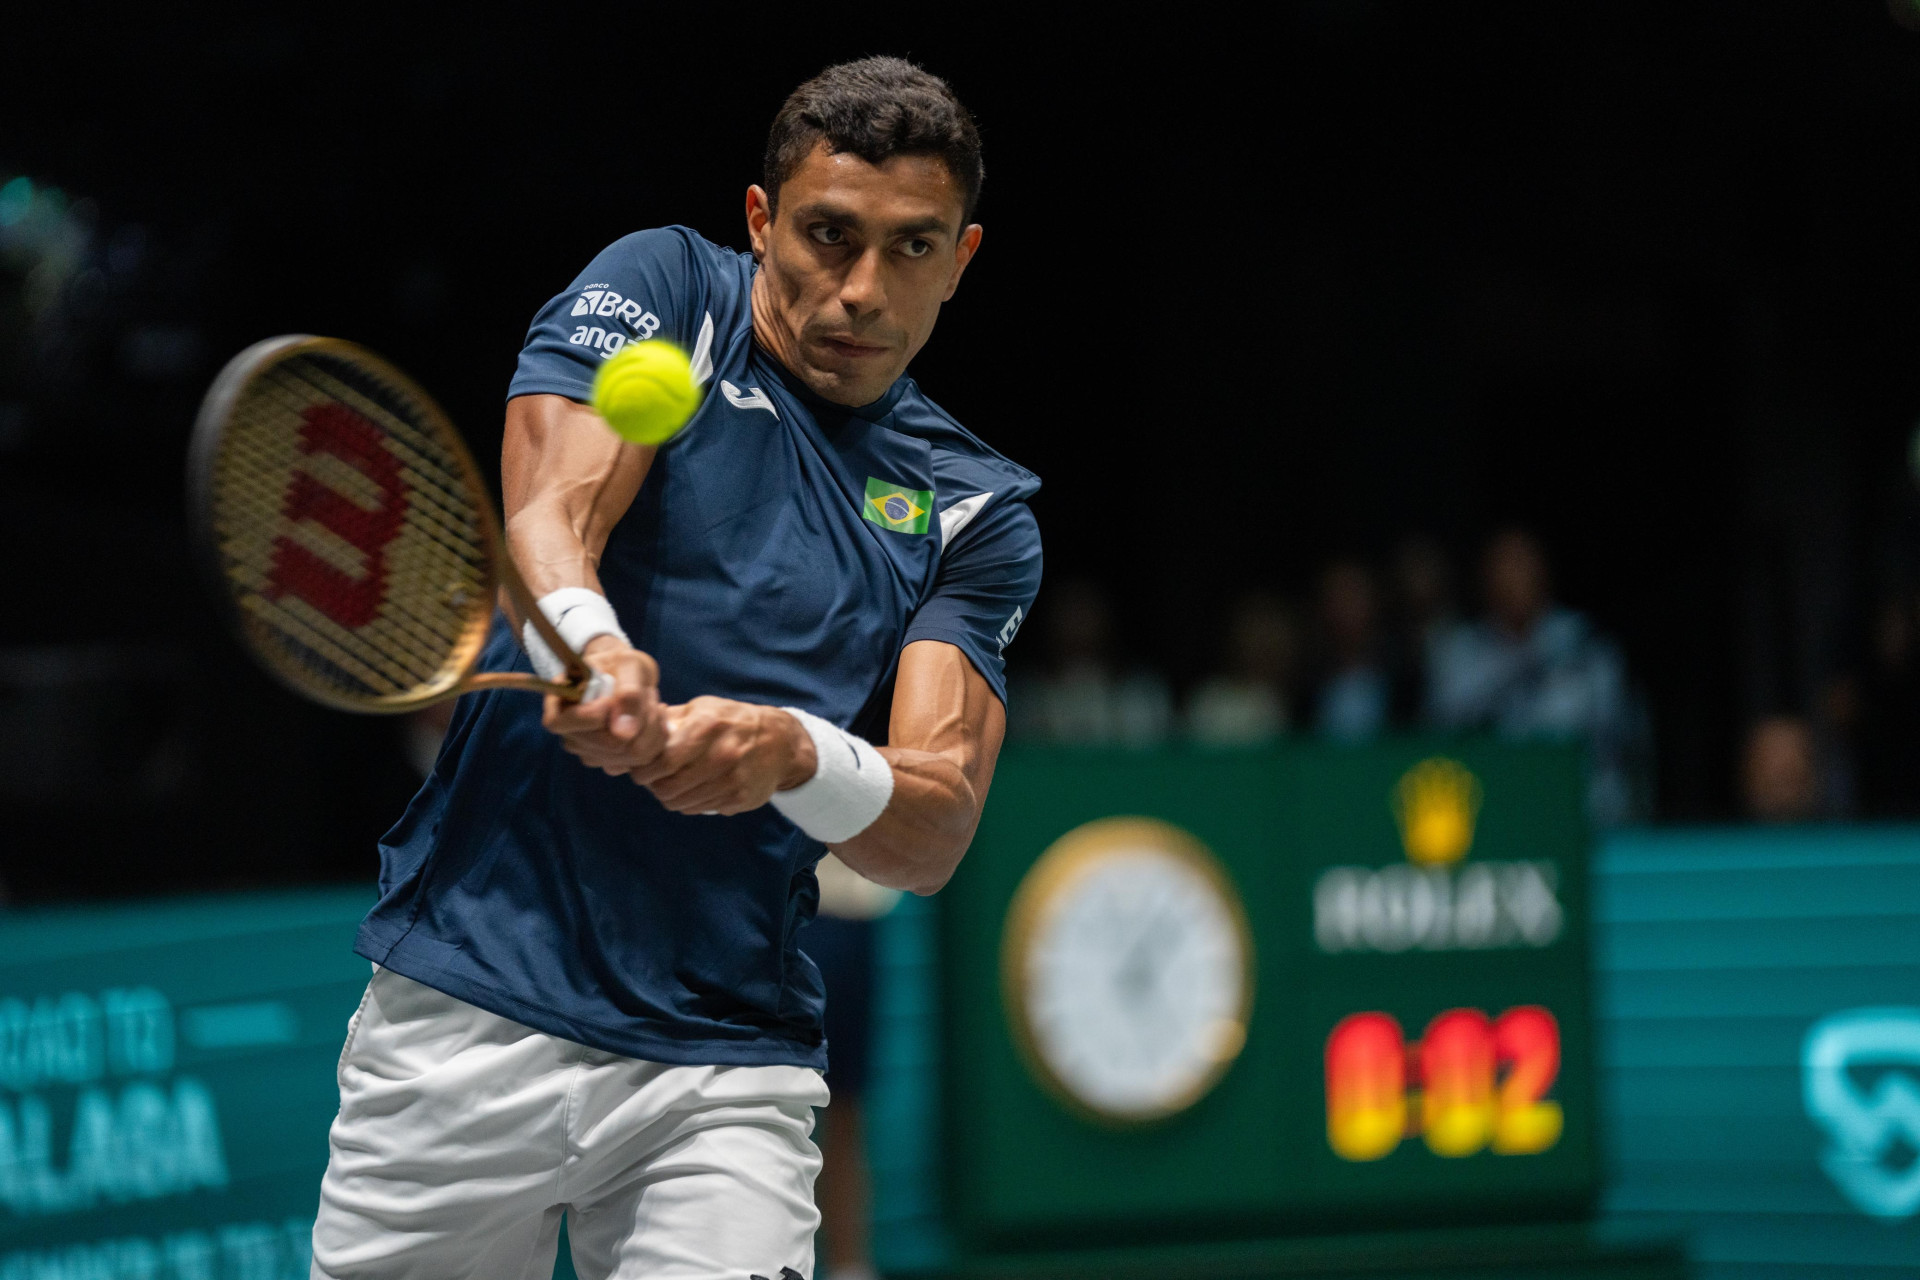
[
  {"x": 963, "y": 251},
  {"x": 759, "y": 217}
]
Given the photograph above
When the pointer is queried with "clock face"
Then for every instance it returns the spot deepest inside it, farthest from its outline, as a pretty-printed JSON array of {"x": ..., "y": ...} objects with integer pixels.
[{"x": 1129, "y": 969}]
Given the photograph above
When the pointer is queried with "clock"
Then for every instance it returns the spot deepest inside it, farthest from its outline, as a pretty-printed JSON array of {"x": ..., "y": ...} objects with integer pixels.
[{"x": 1127, "y": 969}]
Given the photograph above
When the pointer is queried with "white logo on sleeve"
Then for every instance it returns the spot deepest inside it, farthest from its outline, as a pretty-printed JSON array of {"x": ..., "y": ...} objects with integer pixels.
[
  {"x": 605, "y": 341},
  {"x": 751, "y": 398},
  {"x": 960, "y": 515},
  {"x": 598, "y": 300},
  {"x": 1011, "y": 629}
]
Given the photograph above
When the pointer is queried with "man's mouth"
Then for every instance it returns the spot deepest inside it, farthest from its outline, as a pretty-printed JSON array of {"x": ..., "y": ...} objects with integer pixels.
[{"x": 852, "y": 348}]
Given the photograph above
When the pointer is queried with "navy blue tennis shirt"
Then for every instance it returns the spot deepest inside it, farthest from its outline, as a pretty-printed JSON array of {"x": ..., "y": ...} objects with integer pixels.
[{"x": 783, "y": 550}]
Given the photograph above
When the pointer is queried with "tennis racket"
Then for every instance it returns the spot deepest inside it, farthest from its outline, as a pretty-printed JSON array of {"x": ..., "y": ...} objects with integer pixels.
[{"x": 348, "y": 532}]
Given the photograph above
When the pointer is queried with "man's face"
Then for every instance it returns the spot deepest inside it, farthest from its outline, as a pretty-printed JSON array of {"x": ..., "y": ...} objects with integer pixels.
[{"x": 855, "y": 266}]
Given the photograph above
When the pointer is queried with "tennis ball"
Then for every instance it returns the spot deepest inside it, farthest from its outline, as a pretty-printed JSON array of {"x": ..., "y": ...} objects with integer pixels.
[{"x": 646, "y": 391}]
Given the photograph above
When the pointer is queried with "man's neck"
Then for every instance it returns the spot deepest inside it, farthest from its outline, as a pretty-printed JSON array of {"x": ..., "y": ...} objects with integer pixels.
[{"x": 768, "y": 332}]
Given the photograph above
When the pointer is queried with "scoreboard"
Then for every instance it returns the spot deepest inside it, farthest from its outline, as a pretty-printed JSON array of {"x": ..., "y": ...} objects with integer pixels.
[{"x": 1194, "y": 999}]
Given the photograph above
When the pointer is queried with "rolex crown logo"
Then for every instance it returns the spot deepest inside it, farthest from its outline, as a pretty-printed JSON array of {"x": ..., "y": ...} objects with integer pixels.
[{"x": 1436, "y": 803}]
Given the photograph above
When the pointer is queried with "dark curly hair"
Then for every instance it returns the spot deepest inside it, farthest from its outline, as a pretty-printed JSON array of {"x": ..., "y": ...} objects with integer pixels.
[{"x": 876, "y": 108}]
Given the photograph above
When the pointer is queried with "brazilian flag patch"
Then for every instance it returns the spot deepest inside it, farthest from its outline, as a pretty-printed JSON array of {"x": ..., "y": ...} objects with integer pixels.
[{"x": 897, "y": 507}]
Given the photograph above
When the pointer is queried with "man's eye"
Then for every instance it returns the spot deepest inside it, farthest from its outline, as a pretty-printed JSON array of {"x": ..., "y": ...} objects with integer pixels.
[
  {"x": 917, "y": 248},
  {"x": 828, "y": 234}
]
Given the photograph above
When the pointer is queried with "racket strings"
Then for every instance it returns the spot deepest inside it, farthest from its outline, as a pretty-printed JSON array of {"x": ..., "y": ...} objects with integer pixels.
[
  {"x": 438, "y": 506},
  {"x": 350, "y": 533},
  {"x": 303, "y": 630}
]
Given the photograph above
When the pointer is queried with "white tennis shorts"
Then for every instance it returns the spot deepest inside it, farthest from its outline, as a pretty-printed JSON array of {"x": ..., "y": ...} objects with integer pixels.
[{"x": 463, "y": 1137}]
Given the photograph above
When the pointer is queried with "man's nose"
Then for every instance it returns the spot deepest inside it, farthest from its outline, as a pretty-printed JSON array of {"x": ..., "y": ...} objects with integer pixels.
[{"x": 863, "y": 292}]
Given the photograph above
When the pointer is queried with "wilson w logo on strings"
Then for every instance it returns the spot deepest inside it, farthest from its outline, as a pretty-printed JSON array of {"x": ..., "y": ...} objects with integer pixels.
[{"x": 351, "y": 488}]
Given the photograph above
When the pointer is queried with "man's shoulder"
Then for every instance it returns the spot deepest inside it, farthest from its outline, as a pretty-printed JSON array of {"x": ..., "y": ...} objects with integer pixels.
[
  {"x": 679, "y": 254},
  {"x": 702, "y": 289},
  {"x": 962, "y": 461},
  {"x": 676, "y": 239}
]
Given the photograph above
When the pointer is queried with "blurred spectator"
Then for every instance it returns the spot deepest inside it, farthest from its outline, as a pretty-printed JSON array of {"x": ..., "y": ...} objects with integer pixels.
[
  {"x": 1085, "y": 696},
  {"x": 1423, "y": 612},
  {"x": 840, "y": 941},
  {"x": 1888, "y": 734},
  {"x": 1353, "y": 699},
  {"x": 1836, "y": 729},
  {"x": 1532, "y": 669},
  {"x": 1780, "y": 775},
  {"x": 1251, "y": 700}
]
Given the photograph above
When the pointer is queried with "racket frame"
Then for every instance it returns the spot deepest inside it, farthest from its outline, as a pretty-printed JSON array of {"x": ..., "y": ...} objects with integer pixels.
[{"x": 503, "y": 583}]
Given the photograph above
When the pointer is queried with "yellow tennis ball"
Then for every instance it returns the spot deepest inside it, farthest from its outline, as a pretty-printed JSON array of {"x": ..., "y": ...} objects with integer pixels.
[{"x": 646, "y": 391}]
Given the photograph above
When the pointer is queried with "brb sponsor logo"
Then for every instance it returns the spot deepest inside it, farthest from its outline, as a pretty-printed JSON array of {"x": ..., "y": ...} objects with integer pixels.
[
  {"x": 1861, "y": 1083},
  {"x": 1469, "y": 1084},
  {"x": 1437, "y": 901},
  {"x": 598, "y": 300}
]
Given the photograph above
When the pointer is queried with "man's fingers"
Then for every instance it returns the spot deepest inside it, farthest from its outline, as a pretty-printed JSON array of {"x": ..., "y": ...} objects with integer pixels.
[
  {"x": 562, "y": 717},
  {"x": 652, "y": 738},
  {"x": 680, "y": 743},
  {"x": 696, "y": 778},
  {"x": 702, "y": 800},
  {"x": 631, "y": 686},
  {"x": 703, "y": 757},
  {"x": 722, "y": 797}
]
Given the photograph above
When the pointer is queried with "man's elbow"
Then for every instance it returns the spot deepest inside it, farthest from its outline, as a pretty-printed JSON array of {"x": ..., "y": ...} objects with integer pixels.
[
  {"x": 922, "y": 873},
  {"x": 921, "y": 867},
  {"x": 927, "y": 886}
]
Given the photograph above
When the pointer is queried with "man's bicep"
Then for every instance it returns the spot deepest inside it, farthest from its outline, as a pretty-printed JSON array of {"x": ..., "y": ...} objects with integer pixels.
[
  {"x": 943, "y": 705},
  {"x": 567, "y": 481},
  {"x": 554, "y": 447}
]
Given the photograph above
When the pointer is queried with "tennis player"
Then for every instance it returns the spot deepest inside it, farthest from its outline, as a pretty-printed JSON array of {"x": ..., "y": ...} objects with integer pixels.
[{"x": 588, "y": 998}]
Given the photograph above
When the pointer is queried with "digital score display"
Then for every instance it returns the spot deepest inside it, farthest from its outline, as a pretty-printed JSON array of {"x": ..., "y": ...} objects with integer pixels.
[{"x": 1469, "y": 1084}]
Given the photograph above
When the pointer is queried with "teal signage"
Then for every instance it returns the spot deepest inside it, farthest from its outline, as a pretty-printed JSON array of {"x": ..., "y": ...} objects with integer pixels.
[
  {"x": 1758, "y": 1000},
  {"x": 166, "y": 1083}
]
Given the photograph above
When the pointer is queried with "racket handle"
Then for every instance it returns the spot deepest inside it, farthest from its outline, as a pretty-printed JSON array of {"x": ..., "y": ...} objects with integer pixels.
[{"x": 599, "y": 687}]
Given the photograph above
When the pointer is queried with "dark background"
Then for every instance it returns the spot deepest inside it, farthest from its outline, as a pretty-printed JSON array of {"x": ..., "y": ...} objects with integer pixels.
[{"x": 1644, "y": 279}]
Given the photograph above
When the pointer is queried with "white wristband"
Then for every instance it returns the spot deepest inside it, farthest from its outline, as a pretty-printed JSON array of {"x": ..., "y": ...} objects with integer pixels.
[
  {"x": 848, "y": 790},
  {"x": 578, "y": 614}
]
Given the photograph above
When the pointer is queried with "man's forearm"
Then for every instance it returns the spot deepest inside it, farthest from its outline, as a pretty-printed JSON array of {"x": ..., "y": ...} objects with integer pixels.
[
  {"x": 919, "y": 839},
  {"x": 567, "y": 481},
  {"x": 549, "y": 550}
]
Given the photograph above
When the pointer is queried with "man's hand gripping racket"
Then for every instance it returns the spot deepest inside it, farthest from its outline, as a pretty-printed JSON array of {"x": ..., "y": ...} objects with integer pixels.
[{"x": 345, "y": 524}]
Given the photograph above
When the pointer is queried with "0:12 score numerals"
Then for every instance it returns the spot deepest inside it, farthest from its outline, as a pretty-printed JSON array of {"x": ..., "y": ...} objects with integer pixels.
[{"x": 1469, "y": 1083}]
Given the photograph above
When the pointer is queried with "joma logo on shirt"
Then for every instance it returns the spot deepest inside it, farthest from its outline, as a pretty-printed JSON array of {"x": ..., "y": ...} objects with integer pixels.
[{"x": 607, "y": 302}]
